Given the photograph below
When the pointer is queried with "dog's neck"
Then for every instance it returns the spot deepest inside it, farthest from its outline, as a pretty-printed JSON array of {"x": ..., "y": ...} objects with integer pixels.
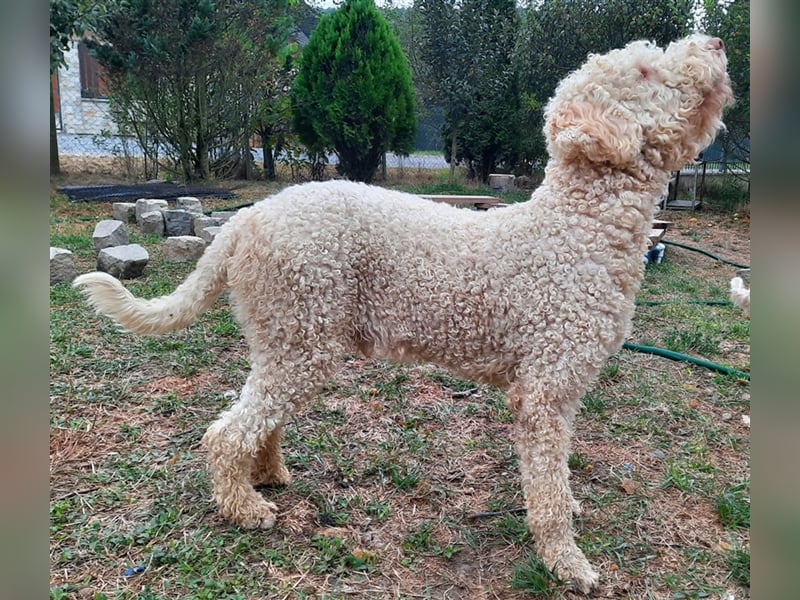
[
  {"x": 613, "y": 190},
  {"x": 623, "y": 203}
]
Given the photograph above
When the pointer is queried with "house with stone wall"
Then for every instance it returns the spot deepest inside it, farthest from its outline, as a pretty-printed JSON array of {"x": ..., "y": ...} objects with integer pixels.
[{"x": 79, "y": 94}]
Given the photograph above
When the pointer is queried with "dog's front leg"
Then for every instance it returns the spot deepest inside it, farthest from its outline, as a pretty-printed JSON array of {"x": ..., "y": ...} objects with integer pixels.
[{"x": 542, "y": 435}]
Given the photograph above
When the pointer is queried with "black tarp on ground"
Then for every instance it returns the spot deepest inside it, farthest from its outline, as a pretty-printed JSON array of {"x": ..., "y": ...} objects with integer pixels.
[{"x": 131, "y": 193}]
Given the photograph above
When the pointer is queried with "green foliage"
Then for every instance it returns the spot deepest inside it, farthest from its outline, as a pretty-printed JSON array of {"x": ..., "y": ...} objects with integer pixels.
[
  {"x": 702, "y": 342},
  {"x": 334, "y": 555},
  {"x": 533, "y": 576},
  {"x": 733, "y": 506},
  {"x": 595, "y": 403},
  {"x": 353, "y": 93},
  {"x": 442, "y": 62},
  {"x": 489, "y": 137},
  {"x": 493, "y": 68},
  {"x": 731, "y": 22},
  {"x": 726, "y": 194},
  {"x": 272, "y": 114},
  {"x": 557, "y": 35},
  {"x": 422, "y": 541},
  {"x": 679, "y": 475},
  {"x": 468, "y": 49},
  {"x": 577, "y": 461},
  {"x": 738, "y": 561},
  {"x": 70, "y": 18},
  {"x": 377, "y": 510},
  {"x": 194, "y": 80}
]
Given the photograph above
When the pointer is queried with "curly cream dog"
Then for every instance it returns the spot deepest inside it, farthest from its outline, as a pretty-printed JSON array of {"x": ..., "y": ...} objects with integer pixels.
[{"x": 533, "y": 298}]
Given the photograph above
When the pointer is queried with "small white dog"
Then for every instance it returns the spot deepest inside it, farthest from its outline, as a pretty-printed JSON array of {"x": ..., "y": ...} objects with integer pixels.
[{"x": 740, "y": 295}]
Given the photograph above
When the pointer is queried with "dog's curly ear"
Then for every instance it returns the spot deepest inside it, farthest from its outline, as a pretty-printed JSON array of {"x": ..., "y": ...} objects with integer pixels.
[{"x": 596, "y": 133}]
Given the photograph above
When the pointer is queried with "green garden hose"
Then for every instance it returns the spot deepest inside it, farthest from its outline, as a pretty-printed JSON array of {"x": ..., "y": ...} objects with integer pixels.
[
  {"x": 662, "y": 302},
  {"x": 706, "y": 252},
  {"x": 663, "y": 352}
]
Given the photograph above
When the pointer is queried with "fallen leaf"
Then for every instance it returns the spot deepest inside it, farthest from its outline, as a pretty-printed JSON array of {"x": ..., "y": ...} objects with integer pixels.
[
  {"x": 630, "y": 486},
  {"x": 363, "y": 555},
  {"x": 332, "y": 532},
  {"x": 723, "y": 546}
]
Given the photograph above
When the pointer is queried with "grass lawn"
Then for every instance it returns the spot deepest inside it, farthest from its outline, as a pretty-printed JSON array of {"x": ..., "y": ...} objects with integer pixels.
[{"x": 405, "y": 478}]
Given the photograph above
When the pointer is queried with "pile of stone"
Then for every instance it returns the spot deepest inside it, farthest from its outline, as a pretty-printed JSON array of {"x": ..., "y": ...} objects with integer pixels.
[{"x": 186, "y": 227}]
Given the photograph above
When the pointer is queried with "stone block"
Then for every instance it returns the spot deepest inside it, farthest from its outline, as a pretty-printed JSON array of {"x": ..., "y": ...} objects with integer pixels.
[
  {"x": 108, "y": 233},
  {"x": 209, "y": 233},
  {"x": 146, "y": 205},
  {"x": 501, "y": 182},
  {"x": 152, "y": 222},
  {"x": 183, "y": 248},
  {"x": 123, "y": 262},
  {"x": 201, "y": 222},
  {"x": 124, "y": 211},
  {"x": 223, "y": 215},
  {"x": 62, "y": 266},
  {"x": 178, "y": 222},
  {"x": 193, "y": 205}
]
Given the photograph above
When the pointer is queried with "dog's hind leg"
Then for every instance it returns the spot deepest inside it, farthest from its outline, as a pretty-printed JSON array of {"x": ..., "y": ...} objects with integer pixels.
[
  {"x": 233, "y": 442},
  {"x": 542, "y": 431},
  {"x": 245, "y": 440},
  {"x": 268, "y": 467},
  {"x": 296, "y": 334}
]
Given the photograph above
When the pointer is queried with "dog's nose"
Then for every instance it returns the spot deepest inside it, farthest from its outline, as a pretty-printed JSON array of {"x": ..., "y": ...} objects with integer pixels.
[{"x": 716, "y": 44}]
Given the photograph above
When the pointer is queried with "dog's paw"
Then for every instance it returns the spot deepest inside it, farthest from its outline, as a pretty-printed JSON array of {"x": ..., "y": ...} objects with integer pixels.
[
  {"x": 579, "y": 575},
  {"x": 259, "y": 516},
  {"x": 571, "y": 568}
]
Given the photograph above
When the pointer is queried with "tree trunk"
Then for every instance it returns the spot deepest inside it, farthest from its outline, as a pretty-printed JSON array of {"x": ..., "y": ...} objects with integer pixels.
[
  {"x": 453, "y": 147},
  {"x": 55, "y": 165},
  {"x": 182, "y": 133},
  {"x": 269, "y": 159},
  {"x": 247, "y": 157},
  {"x": 202, "y": 126}
]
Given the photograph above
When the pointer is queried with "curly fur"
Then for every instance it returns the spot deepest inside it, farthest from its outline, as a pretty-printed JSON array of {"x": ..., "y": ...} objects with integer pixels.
[{"x": 533, "y": 298}]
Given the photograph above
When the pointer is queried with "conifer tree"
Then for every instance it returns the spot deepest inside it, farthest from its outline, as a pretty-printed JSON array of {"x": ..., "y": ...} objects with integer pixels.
[{"x": 353, "y": 93}]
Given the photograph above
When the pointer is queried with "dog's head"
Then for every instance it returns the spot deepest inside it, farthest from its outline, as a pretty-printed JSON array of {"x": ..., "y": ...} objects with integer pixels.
[{"x": 641, "y": 102}]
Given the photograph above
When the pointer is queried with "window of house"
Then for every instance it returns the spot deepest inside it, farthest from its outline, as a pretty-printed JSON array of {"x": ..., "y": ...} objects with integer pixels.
[{"x": 93, "y": 83}]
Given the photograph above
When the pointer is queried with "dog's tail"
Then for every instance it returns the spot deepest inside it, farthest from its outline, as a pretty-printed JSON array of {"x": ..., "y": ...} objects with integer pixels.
[
  {"x": 167, "y": 313},
  {"x": 740, "y": 295}
]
